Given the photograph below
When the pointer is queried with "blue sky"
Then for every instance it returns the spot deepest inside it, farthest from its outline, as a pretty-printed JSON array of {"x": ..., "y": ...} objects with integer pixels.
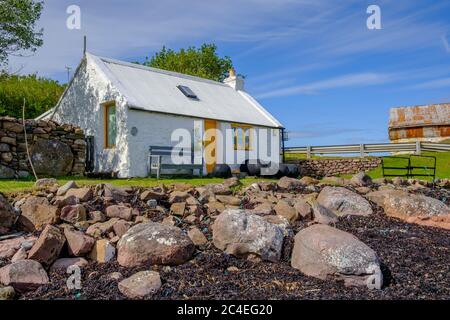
[{"x": 312, "y": 63}]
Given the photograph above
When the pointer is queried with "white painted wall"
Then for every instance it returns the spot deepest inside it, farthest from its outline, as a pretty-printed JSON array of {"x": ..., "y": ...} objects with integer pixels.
[
  {"x": 155, "y": 129},
  {"x": 82, "y": 107}
]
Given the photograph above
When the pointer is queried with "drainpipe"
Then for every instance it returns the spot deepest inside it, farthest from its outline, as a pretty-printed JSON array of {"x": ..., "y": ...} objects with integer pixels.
[{"x": 282, "y": 144}]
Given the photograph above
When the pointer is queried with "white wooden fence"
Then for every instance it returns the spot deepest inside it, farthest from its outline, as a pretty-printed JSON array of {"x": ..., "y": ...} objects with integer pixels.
[{"x": 366, "y": 149}]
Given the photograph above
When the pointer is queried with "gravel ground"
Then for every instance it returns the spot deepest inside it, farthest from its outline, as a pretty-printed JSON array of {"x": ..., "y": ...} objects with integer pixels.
[{"x": 415, "y": 264}]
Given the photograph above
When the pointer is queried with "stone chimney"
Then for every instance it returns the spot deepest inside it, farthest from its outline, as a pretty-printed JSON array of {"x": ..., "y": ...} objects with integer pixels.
[{"x": 234, "y": 81}]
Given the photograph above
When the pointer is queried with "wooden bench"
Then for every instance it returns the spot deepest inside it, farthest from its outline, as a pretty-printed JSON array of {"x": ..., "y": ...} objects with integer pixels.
[{"x": 156, "y": 154}]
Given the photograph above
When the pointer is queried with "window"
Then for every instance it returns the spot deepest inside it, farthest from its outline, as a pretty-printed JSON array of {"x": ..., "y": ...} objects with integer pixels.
[
  {"x": 242, "y": 137},
  {"x": 187, "y": 92},
  {"x": 110, "y": 125}
]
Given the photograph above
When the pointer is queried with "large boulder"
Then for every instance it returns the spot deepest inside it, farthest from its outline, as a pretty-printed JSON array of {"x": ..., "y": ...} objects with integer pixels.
[
  {"x": 52, "y": 158},
  {"x": 412, "y": 208},
  {"x": 23, "y": 275},
  {"x": 7, "y": 214},
  {"x": 37, "y": 213},
  {"x": 322, "y": 251},
  {"x": 344, "y": 202},
  {"x": 6, "y": 172},
  {"x": 243, "y": 234},
  {"x": 154, "y": 243}
]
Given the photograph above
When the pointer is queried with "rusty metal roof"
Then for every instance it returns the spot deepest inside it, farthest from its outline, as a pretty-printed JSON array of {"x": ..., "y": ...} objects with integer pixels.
[{"x": 420, "y": 116}]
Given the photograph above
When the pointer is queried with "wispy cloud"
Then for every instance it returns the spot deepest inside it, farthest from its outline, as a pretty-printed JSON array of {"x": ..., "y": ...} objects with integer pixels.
[
  {"x": 350, "y": 80},
  {"x": 445, "y": 43},
  {"x": 433, "y": 84}
]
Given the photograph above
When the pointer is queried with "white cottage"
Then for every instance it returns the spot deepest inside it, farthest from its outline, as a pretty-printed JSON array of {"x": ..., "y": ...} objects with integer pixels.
[{"x": 128, "y": 108}]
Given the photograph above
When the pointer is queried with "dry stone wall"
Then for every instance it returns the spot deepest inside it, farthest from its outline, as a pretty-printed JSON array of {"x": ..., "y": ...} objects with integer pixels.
[
  {"x": 319, "y": 168},
  {"x": 56, "y": 150}
]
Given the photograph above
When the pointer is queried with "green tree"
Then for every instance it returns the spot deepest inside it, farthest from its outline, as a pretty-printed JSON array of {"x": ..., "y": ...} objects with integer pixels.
[
  {"x": 202, "y": 62},
  {"x": 40, "y": 94},
  {"x": 18, "y": 27}
]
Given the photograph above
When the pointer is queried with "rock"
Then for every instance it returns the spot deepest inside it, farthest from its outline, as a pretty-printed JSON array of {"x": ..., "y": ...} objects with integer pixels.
[
  {"x": 73, "y": 214},
  {"x": 51, "y": 158},
  {"x": 169, "y": 221},
  {"x": 78, "y": 243},
  {"x": 97, "y": 230},
  {"x": 264, "y": 208},
  {"x": 218, "y": 189},
  {"x": 267, "y": 185},
  {"x": 197, "y": 237},
  {"x": 321, "y": 251},
  {"x": 97, "y": 216},
  {"x": 37, "y": 213},
  {"x": 21, "y": 254},
  {"x": 63, "y": 189},
  {"x": 242, "y": 234},
  {"x": 280, "y": 221},
  {"x": 303, "y": 208},
  {"x": 103, "y": 251},
  {"x": 45, "y": 183},
  {"x": 7, "y": 293},
  {"x": 178, "y": 196},
  {"x": 62, "y": 201},
  {"x": 82, "y": 194},
  {"x": 398, "y": 181},
  {"x": 9, "y": 247},
  {"x": 229, "y": 200},
  {"x": 178, "y": 208},
  {"x": 23, "y": 275},
  {"x": 232, "y": 182},
  {"x": 308, "y": 181},
  {"x": 412, "y": 208},
  {"x": 119, "y": 211},
  {"x": 154, "y": 243},
  {"x": 116, "y": 193},
  {"x": 6, "y": 172},
  {"x": 344, "y": 202},
  {"x": 361, "y": 179},
  {"x": 140, "y": 284},
  {"x": 117, "y": 276},
  {"x": 284, "y": 209},
  {"x": 334, "y": 181},
  {"x": 121, "y": 227},
  {"x": 48, "y": 246},
  {"x": 64, "y": 263},
  {"x": 215, "y": 207},
  {"x": 151, "y": 195},
  {"x": 379, "y": 181},
  {"x": 152, "y": 203},
  {"x": 323, "y": 215},
  {"x": 287, "y": 183},
  {"x": 8, "y": 215}
]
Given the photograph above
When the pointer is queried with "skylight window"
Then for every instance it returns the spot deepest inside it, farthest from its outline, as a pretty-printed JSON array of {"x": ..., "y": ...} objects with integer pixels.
[{"x": 187, "y": 92}]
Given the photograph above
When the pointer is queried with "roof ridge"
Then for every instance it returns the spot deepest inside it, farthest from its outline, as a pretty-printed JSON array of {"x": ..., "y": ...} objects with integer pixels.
[{"x": 162, "y": 71}]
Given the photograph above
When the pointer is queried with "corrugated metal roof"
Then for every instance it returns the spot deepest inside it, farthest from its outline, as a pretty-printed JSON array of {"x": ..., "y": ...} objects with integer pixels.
[
  {"x": 156, "y": 90},
  {"x": 420, "y": 116}
]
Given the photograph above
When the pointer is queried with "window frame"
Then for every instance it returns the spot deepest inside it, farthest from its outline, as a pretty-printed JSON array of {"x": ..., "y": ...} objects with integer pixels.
[
  {"x": 240, "y": 144},
  {"x": 106, "y": 107}
]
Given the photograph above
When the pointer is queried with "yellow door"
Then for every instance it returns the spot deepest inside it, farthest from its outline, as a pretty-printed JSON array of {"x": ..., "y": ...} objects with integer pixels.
[{"x": 210, "y": 144}]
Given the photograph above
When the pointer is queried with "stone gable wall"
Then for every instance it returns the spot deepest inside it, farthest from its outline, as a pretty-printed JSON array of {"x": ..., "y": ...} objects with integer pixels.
[{"x": 55, "y": 149}]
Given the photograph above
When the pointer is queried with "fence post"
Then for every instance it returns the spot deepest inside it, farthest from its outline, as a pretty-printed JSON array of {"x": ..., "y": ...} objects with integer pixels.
[
  {"x": 361, "y": 150},
  {"x": 308, "y": 152},
  {"x": 418, "y": 148}
]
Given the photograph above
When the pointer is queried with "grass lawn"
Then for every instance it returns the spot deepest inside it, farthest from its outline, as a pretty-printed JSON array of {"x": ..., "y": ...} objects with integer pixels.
[
  {"x": 7, "y": 186},
  {"x": 442, "y": 165}
]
